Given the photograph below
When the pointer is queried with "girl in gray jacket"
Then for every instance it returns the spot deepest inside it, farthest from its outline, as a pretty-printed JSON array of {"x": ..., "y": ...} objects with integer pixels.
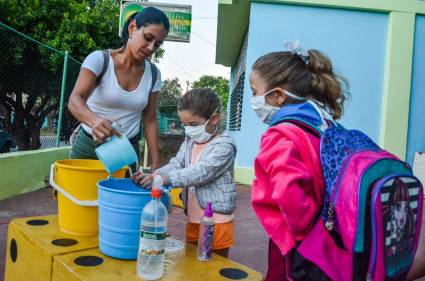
[{"x": 203, "y": 167}]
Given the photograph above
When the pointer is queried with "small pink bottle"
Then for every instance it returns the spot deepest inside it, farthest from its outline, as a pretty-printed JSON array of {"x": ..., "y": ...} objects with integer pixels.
[{"x": 206, "y": 234}]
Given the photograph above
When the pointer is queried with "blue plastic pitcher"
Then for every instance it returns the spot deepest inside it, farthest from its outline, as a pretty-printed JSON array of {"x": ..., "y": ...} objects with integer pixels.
[
  {"x": 121, "y": 203},
  {"x": 116, "y": 153}
]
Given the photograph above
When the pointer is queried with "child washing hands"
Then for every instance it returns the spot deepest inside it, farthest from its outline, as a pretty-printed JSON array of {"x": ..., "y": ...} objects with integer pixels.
[{"x": 203, "y": 167}]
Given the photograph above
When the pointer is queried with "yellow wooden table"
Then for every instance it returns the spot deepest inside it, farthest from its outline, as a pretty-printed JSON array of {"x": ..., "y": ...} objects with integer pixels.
[
  {"x": 91, "y": 265},
  {"x": 33, "y": 242}
]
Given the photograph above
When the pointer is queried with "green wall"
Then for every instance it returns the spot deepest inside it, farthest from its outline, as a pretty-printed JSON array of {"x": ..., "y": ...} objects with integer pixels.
[
  {"x": 21, "y": 172},
  {"x": 244, "y": 175}
]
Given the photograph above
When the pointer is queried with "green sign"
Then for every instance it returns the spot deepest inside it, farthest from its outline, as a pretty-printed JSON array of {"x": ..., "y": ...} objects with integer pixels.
[{"x": 180, "y": 17}]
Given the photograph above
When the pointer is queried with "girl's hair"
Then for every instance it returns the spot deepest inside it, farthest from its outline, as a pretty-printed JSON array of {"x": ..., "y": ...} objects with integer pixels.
[
  {"x": 309, "y": 77},
  {"x": 202, "y": 102},
  {"x": 145, "y": 17}
]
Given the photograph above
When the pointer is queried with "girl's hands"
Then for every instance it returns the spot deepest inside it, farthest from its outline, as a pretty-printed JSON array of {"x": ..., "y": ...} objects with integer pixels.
[{"x": 143, "y": 179}]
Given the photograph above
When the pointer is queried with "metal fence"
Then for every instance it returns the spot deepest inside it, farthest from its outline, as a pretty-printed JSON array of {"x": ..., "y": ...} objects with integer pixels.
[{"x": 35, "y": 84}]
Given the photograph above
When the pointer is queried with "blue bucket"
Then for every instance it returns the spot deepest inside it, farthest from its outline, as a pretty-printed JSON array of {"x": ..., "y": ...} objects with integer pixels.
[{"x": 121, "y": 203}]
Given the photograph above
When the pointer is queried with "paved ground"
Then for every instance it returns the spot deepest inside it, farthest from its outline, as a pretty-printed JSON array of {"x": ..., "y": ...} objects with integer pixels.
[{"x": 250, "y": 248}]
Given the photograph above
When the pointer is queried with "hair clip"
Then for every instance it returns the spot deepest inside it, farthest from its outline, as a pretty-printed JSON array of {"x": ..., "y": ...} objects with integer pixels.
[{"x": 295, "y": 48}]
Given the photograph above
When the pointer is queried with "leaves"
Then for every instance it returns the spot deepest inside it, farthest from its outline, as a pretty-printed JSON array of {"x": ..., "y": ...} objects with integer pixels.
[
  {"x": 169, "y": 95},
  {"x": 67, "y": 25},
  {"x": 31, "y": 73}
]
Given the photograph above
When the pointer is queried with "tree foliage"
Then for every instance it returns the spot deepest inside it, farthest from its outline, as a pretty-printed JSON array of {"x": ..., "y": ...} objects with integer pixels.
[
  {"x": 170, "y": 93},
  {"x": 30, "y": 73}
]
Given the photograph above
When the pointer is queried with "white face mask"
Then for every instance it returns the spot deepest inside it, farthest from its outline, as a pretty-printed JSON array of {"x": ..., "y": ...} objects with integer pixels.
[
  {"x": 198, "y": 133},
  {"x": 266, "y": 111}
]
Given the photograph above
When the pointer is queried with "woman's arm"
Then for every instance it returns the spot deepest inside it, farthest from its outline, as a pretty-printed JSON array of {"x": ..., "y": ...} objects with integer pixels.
[
  {"x": 150, "y": 124},
  {"x": 101, "y": 128}
]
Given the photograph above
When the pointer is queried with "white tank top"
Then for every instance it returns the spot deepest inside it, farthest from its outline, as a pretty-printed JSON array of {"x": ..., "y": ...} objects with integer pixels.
[{"x": 112, "y": 102}]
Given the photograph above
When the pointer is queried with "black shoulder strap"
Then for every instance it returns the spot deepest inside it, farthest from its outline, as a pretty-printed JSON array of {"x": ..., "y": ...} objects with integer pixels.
[
  {"x": 154, "y": 72},
  {"x": 104, "y": 68}
]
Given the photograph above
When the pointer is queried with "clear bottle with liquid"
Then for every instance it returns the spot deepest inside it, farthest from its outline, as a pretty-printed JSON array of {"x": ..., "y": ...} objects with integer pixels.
[
  {"x": 206, "y": 234},
  {"x": 153, "y": 229}
]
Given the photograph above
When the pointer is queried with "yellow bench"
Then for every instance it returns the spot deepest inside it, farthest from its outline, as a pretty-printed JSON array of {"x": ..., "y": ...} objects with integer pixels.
[
  {"x": 92, "y": 265},
  {"x": 38, "y": 251},
  {"x": 33, "y": 242}
]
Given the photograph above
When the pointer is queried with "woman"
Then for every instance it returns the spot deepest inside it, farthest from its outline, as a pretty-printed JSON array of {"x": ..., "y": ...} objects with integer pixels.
[{"x": 115, "y": 104}]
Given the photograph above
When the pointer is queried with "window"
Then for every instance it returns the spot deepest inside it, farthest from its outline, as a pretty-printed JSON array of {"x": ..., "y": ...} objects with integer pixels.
[
  {"x": 236, "y": 101},
  {"x": 236, "y": 98}
]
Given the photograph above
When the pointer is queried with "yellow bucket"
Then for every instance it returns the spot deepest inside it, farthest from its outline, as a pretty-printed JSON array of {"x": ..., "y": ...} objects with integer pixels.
[
  {"x": 176, "y": 197},
  {"x": 76, "y": 183}
]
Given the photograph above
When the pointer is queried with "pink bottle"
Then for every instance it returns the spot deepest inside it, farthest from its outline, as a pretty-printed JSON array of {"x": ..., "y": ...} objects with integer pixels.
[{"x": 206, "y": 234}]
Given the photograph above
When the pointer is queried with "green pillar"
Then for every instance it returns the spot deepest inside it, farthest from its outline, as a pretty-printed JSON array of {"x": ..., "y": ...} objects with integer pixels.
[
  {"x": 62, "y": 99},
  {"x": 397, "y": 79}
]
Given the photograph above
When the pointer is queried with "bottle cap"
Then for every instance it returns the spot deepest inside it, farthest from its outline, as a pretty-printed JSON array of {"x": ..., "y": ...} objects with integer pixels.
[
  {"x": 156, "y": 193},
  {"x": 208, "y": 212}
]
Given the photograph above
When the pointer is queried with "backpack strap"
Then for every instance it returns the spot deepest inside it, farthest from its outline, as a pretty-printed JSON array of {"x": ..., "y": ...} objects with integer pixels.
[
  {"x": 154, "y": 72},
  {"x": 104, "y": 68},
  {"x": 105, "y": 54},
  {"x": 302, "y": 124}
]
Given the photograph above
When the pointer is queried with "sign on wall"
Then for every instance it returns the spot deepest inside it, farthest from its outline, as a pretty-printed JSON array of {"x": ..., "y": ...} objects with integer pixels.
[{"x": 180, "y": 17}]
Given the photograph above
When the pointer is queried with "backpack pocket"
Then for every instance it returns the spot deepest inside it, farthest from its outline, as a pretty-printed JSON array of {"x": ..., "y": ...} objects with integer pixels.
[{"x": 396, "y": 215}]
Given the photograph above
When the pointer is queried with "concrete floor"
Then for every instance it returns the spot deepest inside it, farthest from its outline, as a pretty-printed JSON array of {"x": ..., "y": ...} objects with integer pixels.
[{"x": 250, "y": 248}]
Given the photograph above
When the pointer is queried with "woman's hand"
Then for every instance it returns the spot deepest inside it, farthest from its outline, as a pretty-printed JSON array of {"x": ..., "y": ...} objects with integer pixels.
[
  {"x": 143, "y": 179},
  {"x": 102, "y": 129}
]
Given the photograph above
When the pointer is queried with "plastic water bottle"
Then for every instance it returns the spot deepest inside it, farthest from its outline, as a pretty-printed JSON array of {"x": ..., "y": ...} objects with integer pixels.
[
  {"x": 206, "y": 234},
  {"x": 153, "y": 227}
]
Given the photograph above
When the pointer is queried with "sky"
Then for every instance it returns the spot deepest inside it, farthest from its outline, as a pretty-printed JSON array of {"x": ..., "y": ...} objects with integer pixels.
[{"x": 189, "y": 61}]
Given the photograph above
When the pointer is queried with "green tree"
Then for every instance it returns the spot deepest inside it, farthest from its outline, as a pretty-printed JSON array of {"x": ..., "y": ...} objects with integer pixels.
[
  {"x": 78, "y": 27},
  {"x": 219, "y": 84},
  {"x": 30, "y": 74},
  {"x": 170, "y": 93}
]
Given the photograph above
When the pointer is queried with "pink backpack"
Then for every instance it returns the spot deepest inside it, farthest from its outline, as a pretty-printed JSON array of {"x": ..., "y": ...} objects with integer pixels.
[{"x": 371, "y": 216}]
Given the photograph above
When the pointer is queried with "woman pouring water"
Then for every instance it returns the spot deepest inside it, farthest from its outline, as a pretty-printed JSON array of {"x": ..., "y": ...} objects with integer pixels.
[{"x": 127, "y": 90}]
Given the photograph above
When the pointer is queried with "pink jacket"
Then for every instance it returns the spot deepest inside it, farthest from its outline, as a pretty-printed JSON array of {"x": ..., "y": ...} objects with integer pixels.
[{"x": 288, "y": 188}]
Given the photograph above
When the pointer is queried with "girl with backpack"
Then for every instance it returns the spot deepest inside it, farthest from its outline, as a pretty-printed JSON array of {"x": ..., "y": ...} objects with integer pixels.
[
  {"x": 120, "y": 86},
  {"x": 288, "y": 187}
]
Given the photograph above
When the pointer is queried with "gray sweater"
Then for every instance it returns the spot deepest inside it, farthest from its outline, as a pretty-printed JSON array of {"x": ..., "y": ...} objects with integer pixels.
[{"x": 212, "y": 175}]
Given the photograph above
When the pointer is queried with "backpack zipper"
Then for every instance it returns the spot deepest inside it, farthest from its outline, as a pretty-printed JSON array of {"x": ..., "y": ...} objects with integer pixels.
[{"x": 330, "y": 220}]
